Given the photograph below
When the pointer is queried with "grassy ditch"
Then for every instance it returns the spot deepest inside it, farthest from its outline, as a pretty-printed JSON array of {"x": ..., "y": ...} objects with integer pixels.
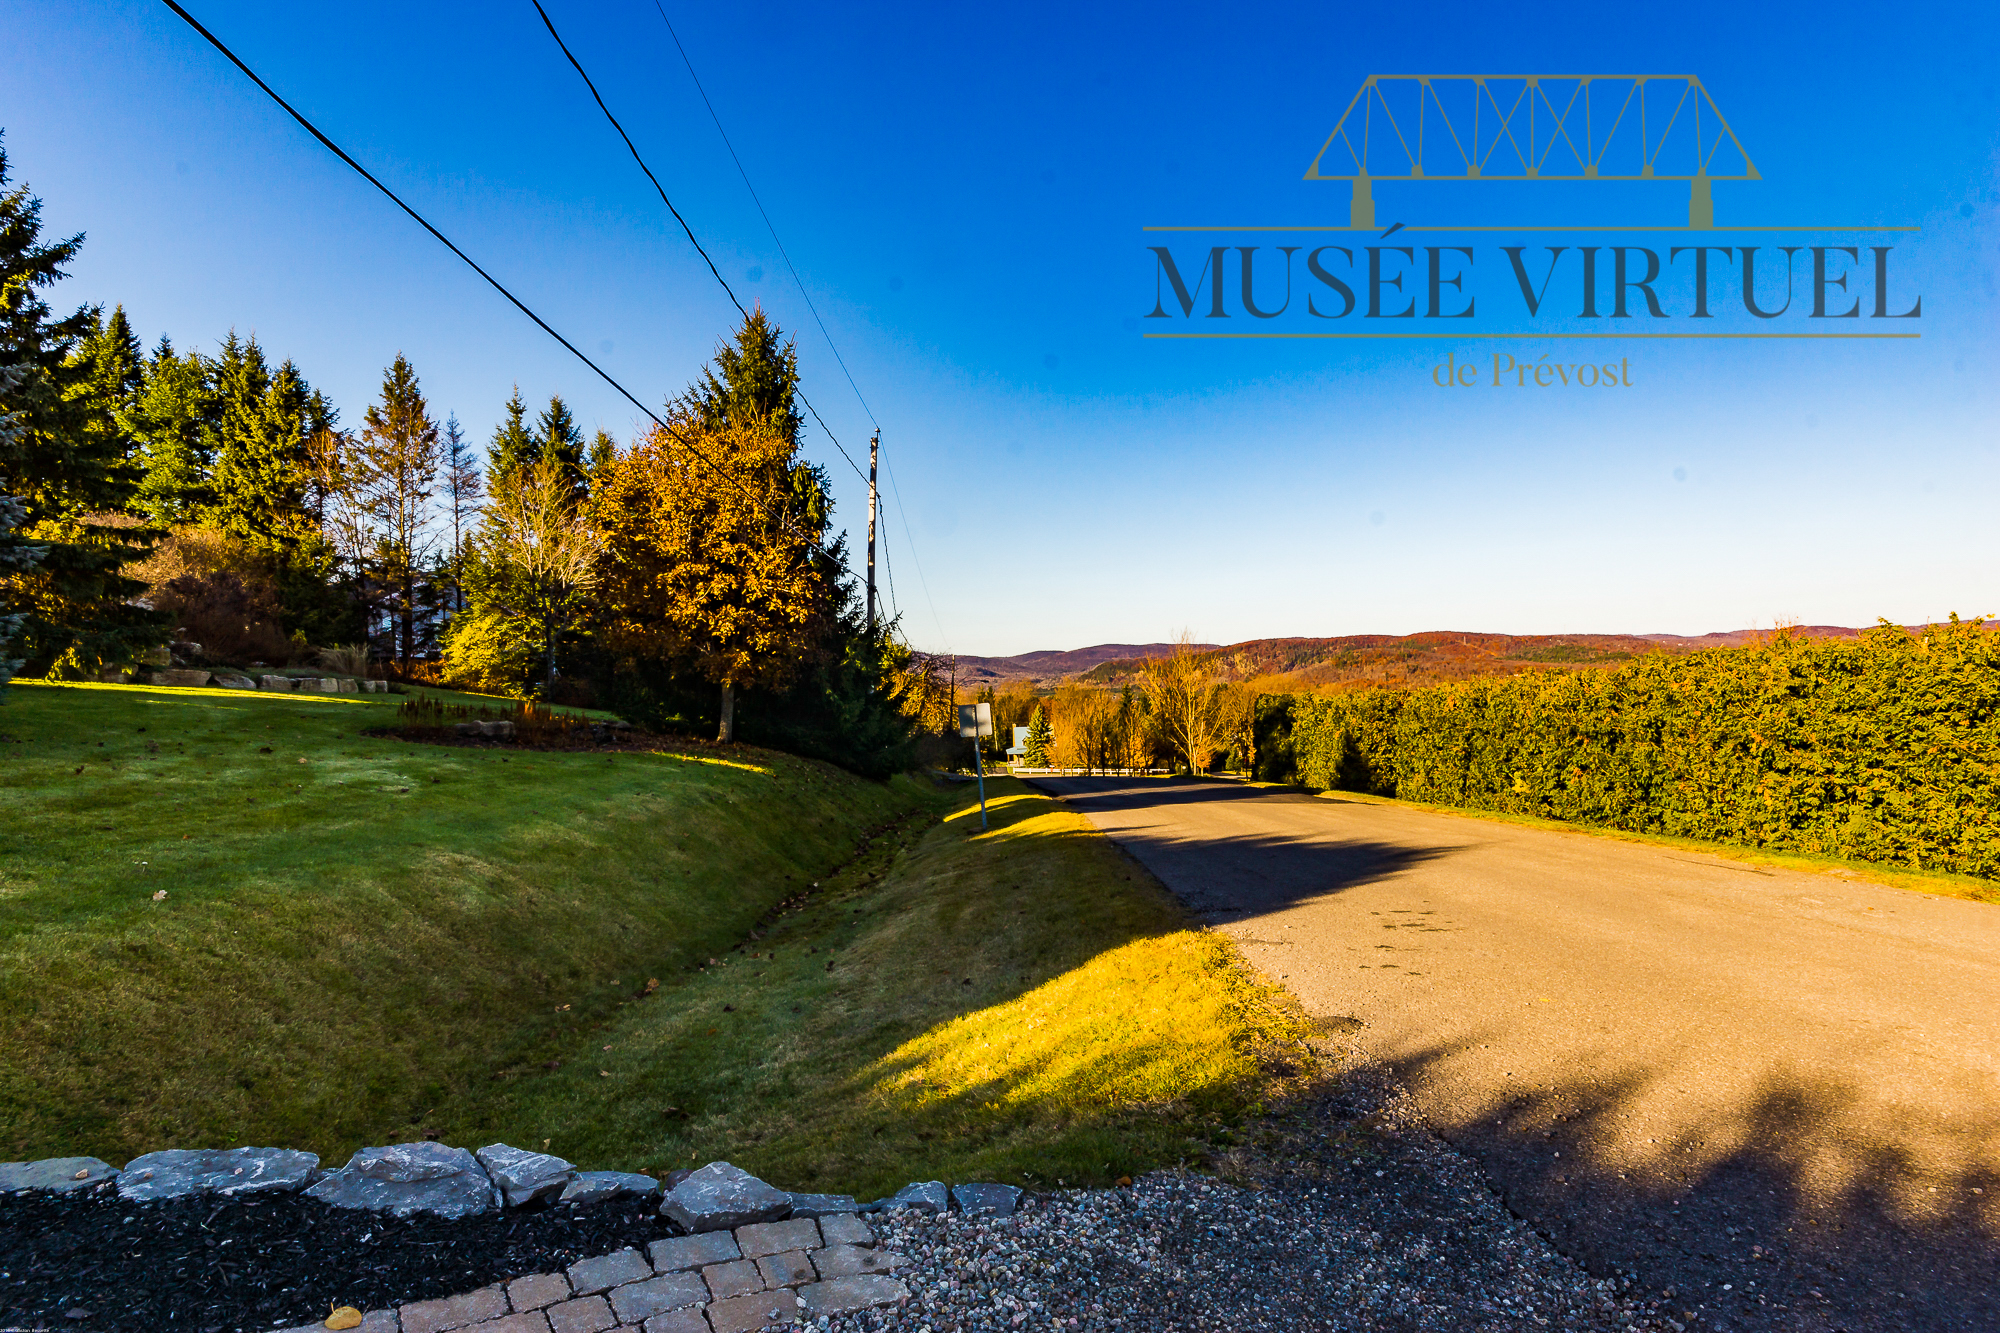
[
  {"x": 1023, "y": 1004},
  {"x": 231, "y": 918}
]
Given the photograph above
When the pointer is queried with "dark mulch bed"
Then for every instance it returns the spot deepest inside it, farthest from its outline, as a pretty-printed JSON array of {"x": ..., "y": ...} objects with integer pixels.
[{"x": 213, "y": 1266}]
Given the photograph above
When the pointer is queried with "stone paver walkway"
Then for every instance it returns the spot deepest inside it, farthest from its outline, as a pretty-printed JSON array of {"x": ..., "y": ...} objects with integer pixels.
[{"x": 759, "y": 1276}]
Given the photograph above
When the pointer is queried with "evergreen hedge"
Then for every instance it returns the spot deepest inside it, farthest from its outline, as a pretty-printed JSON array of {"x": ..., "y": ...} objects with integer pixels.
[{"x": 1885, "y": 748}]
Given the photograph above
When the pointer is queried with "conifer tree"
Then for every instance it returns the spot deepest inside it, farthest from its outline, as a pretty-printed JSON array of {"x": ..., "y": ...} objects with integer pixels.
[
  {"x": 753, "y": 382},
  {"x": 1035, "y": 754},
  {"x": 557, "y": 436},
  {"x": 174, "y": 418},
  {"x": 65, "y": 459},
  {"x": 603, "y": 452},
  {"x": 399, "y": 459},
  {"x": 462, "y": 489},
  {"x": 513, "y": 444}
]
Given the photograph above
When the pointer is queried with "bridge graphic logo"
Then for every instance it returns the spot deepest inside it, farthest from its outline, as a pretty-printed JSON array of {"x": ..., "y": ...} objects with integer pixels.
[{"x": 1523, "y": 127}]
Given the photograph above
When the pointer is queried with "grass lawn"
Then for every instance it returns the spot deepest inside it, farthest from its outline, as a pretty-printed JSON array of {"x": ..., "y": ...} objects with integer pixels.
[
  {"x": 1024, "y": 1004},
  {"x": 364, "y": 941},
  {"x": 355, "y": 931}
]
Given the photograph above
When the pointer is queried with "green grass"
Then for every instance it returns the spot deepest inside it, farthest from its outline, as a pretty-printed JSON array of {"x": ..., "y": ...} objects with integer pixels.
[
  {"x": 1024, "y": 1005},
  {"x": 356, "y": 931},
  {"x": 365, "y": 940}
]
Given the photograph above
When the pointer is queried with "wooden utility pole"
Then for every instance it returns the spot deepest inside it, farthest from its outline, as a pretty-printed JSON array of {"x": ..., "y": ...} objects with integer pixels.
[{"x": 874, "y": 447}]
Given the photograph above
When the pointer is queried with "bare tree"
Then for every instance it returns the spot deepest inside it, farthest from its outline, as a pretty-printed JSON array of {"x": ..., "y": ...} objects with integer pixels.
[
  {"x": 1182, "y": 690},
  {"x": 536, "y": 559}
]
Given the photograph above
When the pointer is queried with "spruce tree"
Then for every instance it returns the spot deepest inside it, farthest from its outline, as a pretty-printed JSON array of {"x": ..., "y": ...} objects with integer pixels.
[
  {"x": 513, "y": 445},
  {"x": 1035, "y": 754},
  {"x": 462, "y": 489},
  {"x": 399, "y": 458},
  {"x": 67, "y": 461},
  {"x": 753, "y": 382},
  {"x": 174, "y": 416},
  {"x": 603, "y": 453},
  {"x": 557, "y": 436}
]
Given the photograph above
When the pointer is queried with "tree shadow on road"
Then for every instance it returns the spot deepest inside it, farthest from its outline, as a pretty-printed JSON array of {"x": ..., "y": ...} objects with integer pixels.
[{"x": 1878, "y": 1241}]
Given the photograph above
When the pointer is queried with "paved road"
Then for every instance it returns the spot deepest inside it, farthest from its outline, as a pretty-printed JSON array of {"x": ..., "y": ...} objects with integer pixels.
[{"x": 1672, "y": 1063}]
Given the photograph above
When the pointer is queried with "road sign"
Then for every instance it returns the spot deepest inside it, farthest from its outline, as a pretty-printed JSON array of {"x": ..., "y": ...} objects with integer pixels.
[{"x": 975, "y": 720}]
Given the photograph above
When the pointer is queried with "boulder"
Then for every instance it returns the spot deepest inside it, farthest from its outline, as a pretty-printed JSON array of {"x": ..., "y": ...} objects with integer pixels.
[
  {"x": 999, "y": 1200},
  {"x": 721, "y": 1197},
  {"x": 229, "y": 680},
  {"x": 374, "y": 687},
  {"x": 113, "y": 676},
  {"x": 823, "y": 1205},
  {"x": 319, "y": 685},
  {"x": 502, "y": 730},
  {"x": 157, "y": 657},
  {"x": 55, "y": 1175},
  {"x": 182, "y": 678},
  {"x": 276, "y": 684},
  {"x": 178, "y": 1171},
  {"x": 524, "y": 1177},
  {"x": 184, "y": 649},
  {"x": 596, "y": 1186},
  {"x": 930, "y": 1196},
  {"x": 347, "y": 686},
  {"x": 410, "y": 1178}
]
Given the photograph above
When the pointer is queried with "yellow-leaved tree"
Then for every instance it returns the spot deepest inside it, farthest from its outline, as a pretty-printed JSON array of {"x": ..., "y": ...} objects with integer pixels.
[{"x": 712, "y": 558}]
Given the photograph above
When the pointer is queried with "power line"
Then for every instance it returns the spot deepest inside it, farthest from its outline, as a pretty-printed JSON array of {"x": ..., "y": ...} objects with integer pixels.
[
  {"x": 494, "y": 282},
  {"x": 661, "y": 190},
  {"x": 922, "y": 582},
  {"x": 766, "y": 216}
]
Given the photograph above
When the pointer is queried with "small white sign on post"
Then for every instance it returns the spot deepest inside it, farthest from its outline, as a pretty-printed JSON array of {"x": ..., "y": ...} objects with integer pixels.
[{"x": 974, "y": 721}]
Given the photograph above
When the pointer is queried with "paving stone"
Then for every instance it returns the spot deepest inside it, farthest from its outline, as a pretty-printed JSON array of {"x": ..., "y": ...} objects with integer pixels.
[
  {"x": 471, "y": 1307},
  {"x": 537, "y": 1290},
  {"x": 928, "y": 1195},
  {"x": 742, "y": 1314},
  {"x": 585, "y": 1314},
  {"x": 531, "y": 1321},
  {"x": 689, "y": 1320},
  {"x": 588, "y": 1187},
  {"x": 523, "y": 1176},
  {"x": 410, "y": 1178},
  {"x": 845, "y": 1229},
  {"x": 732, "y": 1279},
  {"x": 684, "y": 1252},
  {"x": 642, "y": 1300},
  {"x": 721, "y": 1197},
  {"x": 843, "y": 1295},
  {"x": 608, "y": 1271},
  {"x": 786, "y": 1270},
  {"x": 55, "y": 1175},
  {"x": 175, "y": 1172},
  {"x": 999, "y": 1200},
  {"x": 377, "y": 1321},
  {"x": 762, "y": 1238},
  {"x": 854, "y": 1261},
  {"x": 821, "y": 1205}
]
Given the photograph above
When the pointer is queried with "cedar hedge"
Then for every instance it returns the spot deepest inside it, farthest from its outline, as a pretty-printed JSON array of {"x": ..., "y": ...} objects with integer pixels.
[{"x": 1884, "y": 748}]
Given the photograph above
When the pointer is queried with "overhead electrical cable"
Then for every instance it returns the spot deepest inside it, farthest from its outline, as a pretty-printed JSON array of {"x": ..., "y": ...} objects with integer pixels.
[
  {"x": 769, "y": 225},
  {"x": 742, "y": 171},
  {"x": 922, "y": 582},
  {"x": 494, "y": 282},
  {"x": 727, "y": 289}
]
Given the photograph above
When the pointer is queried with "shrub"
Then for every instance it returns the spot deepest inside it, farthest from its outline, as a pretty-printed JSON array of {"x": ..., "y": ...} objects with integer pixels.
[{"x": 1885, "y": 748}]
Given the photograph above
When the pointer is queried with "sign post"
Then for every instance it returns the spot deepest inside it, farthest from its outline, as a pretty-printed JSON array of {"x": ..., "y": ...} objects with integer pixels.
[{"x": 974, "y": 721}]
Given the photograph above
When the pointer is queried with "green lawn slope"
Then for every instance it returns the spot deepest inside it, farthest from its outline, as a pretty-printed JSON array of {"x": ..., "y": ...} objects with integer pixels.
[{"x": 355, "y": 933}]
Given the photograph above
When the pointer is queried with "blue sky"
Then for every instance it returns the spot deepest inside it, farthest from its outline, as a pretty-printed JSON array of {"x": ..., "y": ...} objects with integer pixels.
[{"x": 964, "y": 193}]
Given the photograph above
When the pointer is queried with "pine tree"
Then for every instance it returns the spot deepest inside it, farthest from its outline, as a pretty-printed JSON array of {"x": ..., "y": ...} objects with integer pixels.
[
  {"x": 1040, "y": 737},
  {"x": 557, "y": 436},
  {"x": 399, "y": 458},
  {"x": 67, "y": 461},
  {"x": 462, "y": 488},
  {"x": 513, "y": 445},
  {"x": 174, "y": 416},
  {"x": 753, "y": 382},
  {"x": 603, "y": 453}
]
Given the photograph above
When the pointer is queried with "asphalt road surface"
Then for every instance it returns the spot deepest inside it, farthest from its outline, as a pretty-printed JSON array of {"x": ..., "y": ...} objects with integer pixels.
[{"x": 1775, "y": 1093}]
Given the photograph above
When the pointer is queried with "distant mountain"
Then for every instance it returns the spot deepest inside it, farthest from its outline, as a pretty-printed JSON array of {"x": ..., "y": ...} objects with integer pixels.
[
  {"x": 1053, "y": 664},
  {"x": 1369, "y": 659}
]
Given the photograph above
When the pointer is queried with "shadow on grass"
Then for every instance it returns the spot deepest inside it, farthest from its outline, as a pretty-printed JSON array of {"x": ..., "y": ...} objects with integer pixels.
[{"x": 1020, "y": 1004}]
